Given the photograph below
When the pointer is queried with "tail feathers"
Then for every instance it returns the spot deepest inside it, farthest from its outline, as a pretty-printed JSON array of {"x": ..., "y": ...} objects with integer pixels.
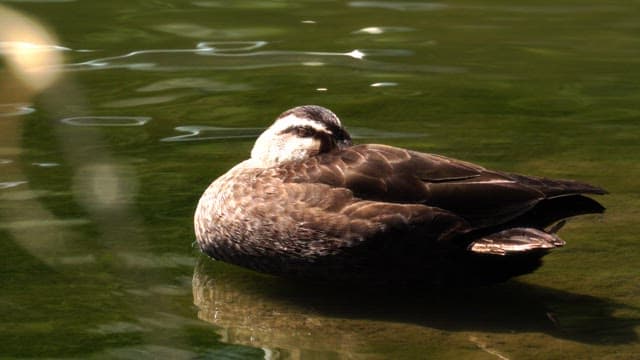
[
  {"x": 548, "y": 212},
  {"x": 552, "y": 187},
  {"x": 516, "y": 241}
]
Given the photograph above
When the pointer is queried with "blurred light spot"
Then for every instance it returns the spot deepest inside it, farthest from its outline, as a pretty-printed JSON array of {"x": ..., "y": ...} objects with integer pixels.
[
  {"x": 308, "y": 22},
  {"x": 377, "y": 30},
  {"x": 5, "y": 161},
  {"x": 384, "y": 84},
  {"x": 11, "y": 184},
  {"x": 322, "y": 89},
  {"x": 371, "y": 30},
  {"x": 106, "y": 120},
  {"x": 29, "y": 49},
  {"x": 105, "y": 186},
  {"x": 16, "y": 109},
  {"x": 45, "y": 164},
  {"x": 313, "y": 63},
  {"x": 356, "y": 54}
]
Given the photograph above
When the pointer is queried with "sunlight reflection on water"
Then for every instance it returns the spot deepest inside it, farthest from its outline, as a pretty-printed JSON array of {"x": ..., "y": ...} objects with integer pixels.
[
  {"x": 201, "y": 133},
  {"x": 106, "y": 120},
  {"x": 384, "y": 84},
  {"x": 403, "y": 6},
  {"x": 238, "y": 55},
  {"x": 15, "y": 109},
  {"x": 241, "y": 55},
  {"x": 377, "y": 30},
  {"x": 45, "y": 164},
  {"x": 250, "y": 4},
  {"x": 11, "y": 184}
]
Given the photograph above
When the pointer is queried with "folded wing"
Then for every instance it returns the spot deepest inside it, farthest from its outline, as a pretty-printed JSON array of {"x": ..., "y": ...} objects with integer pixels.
[{"x": 482, "y": 198}]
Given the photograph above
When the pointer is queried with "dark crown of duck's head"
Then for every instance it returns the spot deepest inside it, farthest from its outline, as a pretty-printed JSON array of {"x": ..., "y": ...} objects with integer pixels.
[
  {"x": 322, "y": 116},
  {"x": 299, "y": 133}
]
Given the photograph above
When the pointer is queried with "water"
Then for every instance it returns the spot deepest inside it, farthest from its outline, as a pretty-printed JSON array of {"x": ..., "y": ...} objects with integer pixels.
[{"x": 122, "y": 112}]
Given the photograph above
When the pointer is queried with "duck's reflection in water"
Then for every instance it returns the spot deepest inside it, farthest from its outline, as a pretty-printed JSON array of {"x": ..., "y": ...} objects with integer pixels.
[{"x": 295, "y": 320}]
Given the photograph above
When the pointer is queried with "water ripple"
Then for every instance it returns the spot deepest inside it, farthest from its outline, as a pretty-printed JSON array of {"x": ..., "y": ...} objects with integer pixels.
[
  {"x": 200, "y": 133},
  {"x": 249, "y": 55},
  {"x": 193, "y": 83},
  {"x": 141, "y": 101},
  {"x": 106, "y": 120},
  {"x": 247, "y": 4},
  {"x": 45, "y": 164},
  {"x": 377, "y": 30},
  {"x": 230, "y": 58},
  {"x": 203, "y": 32},
  {"x": 384, "y": 84},
  {"x": 15, "y": 109},
  {"x": 230, "y": 46},
  {"x": 403, "y": 6},
  {"x": 10, "y": 184}
]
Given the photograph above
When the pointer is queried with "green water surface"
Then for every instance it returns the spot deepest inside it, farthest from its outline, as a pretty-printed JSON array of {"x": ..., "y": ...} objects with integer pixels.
[{"x": 100, "y": 172}]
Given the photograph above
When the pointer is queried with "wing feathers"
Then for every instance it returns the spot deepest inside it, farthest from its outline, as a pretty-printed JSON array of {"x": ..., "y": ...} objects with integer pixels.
[{"x": 388, "y": 180}]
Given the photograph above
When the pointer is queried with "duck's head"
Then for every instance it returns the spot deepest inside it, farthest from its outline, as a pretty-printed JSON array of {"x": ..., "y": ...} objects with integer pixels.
[{"x": 298, "y": 134}]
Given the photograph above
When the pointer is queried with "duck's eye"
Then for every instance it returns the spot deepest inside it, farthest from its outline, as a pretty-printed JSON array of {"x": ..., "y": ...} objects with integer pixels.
[
  {"x": 300, "y": 131},
  {"x": 305, "y": 131}
]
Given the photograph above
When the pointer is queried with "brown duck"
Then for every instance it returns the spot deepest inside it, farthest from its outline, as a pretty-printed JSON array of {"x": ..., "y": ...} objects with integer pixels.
[{"x": 310, "y": 204}]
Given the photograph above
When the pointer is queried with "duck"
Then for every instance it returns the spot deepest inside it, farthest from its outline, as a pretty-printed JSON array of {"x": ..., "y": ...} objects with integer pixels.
[{"x": 311, "y": 205}]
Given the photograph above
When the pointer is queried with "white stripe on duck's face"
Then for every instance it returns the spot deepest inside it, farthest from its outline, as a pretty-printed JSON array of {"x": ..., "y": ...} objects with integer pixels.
[{"x": 295, "y": 137}]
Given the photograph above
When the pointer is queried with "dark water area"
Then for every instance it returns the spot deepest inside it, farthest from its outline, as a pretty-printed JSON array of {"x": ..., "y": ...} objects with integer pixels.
[{"x": 115, "y": 116}]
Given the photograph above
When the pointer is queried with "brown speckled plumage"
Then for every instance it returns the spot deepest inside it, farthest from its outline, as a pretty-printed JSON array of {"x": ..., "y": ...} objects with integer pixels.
[{"x": 375, "y": 212}]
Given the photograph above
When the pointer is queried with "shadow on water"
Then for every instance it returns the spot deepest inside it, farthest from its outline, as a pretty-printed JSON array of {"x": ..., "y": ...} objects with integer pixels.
[{"x": 259, "y": 310}]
